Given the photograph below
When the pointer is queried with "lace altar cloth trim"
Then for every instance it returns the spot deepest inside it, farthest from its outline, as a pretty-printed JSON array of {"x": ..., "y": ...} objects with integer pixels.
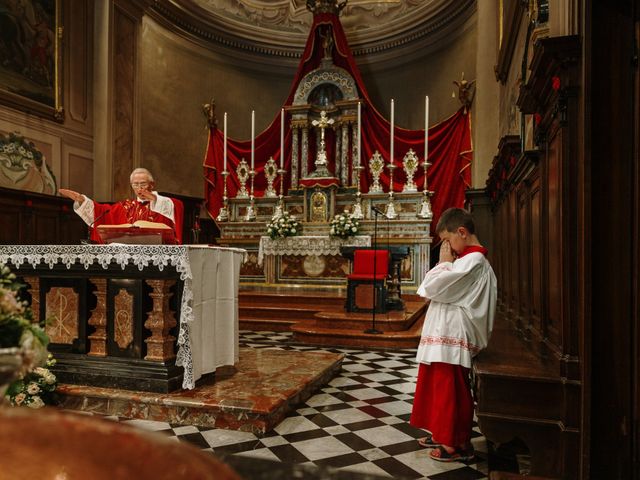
[
  {"x": 140, "y": 255},
  {"x": 309, "y": 245}
]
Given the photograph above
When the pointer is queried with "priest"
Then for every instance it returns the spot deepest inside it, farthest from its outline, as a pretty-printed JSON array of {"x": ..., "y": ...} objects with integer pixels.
[{"x": 147, "y": 204}]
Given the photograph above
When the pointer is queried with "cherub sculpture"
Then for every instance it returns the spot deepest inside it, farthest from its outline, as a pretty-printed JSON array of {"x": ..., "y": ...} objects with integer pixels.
[
  {"x": 466, "y": 92},
  {"x": 209, "y": 111}
]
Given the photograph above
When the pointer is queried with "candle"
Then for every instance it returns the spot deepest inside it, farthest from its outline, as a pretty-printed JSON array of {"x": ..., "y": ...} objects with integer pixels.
[
  {"x": 392, "y": 118},
  {"x": 426, "y": 128},
  {"x": 225, "y": 141},
  {"x": 253, "y": 135},
  {"x": 282, "y": 139},
  {"x": 359, "y": 132}
]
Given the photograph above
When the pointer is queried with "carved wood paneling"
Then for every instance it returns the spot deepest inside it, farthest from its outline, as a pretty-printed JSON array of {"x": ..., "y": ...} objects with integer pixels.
[
  {"x": 98, "y": 319},
  {"x": 34, "y": 290},
  {"x": 535, "y": 204},
  {"x": 160, "y": 345},
  {"x": 62, "y": 315},
  {"x": 32, "y": 218},
  {"x": 123, "y": 319}
]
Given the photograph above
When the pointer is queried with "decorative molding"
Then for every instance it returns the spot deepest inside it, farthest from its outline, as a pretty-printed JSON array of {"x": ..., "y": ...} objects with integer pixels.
[
  {"x": 511, "y": 25},
  {"x": 269, "y": 29},
  {"x": 62, "y": 315}
]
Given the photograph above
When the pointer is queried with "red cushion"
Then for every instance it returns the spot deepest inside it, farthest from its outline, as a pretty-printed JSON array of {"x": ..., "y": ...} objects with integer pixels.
[
  {"x": 357, "y": 276},
  {"x": 363, "y": 263}
]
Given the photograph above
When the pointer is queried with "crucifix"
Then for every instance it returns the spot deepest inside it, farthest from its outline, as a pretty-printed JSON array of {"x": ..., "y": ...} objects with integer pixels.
[{"x": 321, "y": 157}]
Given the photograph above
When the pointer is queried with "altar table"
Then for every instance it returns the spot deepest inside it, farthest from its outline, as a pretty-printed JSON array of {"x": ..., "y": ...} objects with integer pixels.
[
  {"x": 124, "y": 291},
  {"x": 305, "y": 245}
]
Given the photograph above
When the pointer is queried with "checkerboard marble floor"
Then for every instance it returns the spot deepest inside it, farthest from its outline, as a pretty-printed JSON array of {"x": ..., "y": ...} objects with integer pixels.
[{"x": 357, "y": 423}]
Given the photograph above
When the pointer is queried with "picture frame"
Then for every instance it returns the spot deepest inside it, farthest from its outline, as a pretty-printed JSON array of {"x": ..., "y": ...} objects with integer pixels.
[{"x": 31, "y": 34}]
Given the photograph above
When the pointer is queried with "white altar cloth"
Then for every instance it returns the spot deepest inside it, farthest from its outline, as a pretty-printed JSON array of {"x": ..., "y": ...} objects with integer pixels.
[
  {"x": 309, "y": 245},
  {"x": 208, "y": 336}
]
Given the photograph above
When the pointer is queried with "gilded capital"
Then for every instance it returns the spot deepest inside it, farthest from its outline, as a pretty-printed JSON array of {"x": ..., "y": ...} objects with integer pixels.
[{"x": 326, "y": 6}]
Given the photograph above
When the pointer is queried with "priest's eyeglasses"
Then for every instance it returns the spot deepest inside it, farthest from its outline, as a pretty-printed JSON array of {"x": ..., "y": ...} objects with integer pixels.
[{"x": 140, "y": 185}]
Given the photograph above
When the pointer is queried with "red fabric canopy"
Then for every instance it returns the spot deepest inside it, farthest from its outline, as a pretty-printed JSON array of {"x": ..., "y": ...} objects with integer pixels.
[{"x": 450, "y": 150}]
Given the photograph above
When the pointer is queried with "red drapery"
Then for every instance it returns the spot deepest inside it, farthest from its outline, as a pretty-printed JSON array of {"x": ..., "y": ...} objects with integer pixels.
[{"x": 450, "y": 150}]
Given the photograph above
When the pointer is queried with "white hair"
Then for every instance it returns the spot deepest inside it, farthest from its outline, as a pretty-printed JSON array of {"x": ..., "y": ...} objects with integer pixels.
[{"x": 141, "y": 170}]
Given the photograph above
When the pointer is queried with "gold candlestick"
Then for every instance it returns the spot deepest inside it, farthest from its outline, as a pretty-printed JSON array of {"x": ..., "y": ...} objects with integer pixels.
[
  {"x": 357, "y": 206},
  {"x": 425, "y": 206},
  {"x": 280, "y": 206},
  {"x": 251, "y": 209},
  {"x": 391, "y": 208},
  {"x": 223, "y": 214}
]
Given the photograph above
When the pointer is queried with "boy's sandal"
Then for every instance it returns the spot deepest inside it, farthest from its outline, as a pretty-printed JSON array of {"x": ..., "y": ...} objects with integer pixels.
[
  {"x": 440, "y": 454},
  {"x": 427, "y": 441}
]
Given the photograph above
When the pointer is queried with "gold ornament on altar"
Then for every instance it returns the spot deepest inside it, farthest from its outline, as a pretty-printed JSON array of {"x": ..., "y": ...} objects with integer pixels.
[
  {"x": 318, "y": 207},
  {"x": 243, "y": 175},
  {"x": 410, "y": 165},
  {"x": 321, "y": 158},
  {"x": 270, "y": 172},
  {"x": 376, "y": 165}
]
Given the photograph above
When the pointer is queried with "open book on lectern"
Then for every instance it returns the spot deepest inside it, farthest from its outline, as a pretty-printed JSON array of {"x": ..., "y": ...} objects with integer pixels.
[{"x": 141, "y": 232}]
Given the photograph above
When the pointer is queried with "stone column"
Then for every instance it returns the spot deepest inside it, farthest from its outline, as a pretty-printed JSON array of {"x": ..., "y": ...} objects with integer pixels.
[
  {"x": 304, "y": 160},
  {"x": 337, "y": 157},
  {"x": 485, "y": 114},
  {"x": 116, "y": 105},
  {"x": 295, "y": 139},
  {"x": 354, "y": 156},
  {"x": 344, "y": 154}
]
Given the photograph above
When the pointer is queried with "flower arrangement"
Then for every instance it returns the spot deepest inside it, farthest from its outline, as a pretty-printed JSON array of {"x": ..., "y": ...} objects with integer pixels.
[
  {"x": 35, "y": 384},
  {"x": 283, "y": 225},
  {"x": 344, "y": 225}
]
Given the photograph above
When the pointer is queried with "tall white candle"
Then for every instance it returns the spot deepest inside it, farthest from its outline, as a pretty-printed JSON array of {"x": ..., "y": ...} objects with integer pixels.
[
  {"x": 391, "y": 134},
  {"x": 359, "y": 133},
  {"x": 282, "y": 139},
  {"x": 253, "y": 136},
  {"x": 426, "y": 128},
  {"x": 225, "y": 141}
]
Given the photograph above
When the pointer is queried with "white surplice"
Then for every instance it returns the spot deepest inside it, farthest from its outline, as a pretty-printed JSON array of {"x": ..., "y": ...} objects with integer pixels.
[{"x": 459, "y": 319}]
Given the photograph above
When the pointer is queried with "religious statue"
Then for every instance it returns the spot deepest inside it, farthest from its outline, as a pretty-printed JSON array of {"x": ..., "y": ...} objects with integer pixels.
[
  {"x": 321, "y": 157},
  {"x": 318, "y": 207},
  {"x": 327, "y": 43},
  {"x": 209, "y": 110},
  {"x": 465, "y": 92},
  {"x": 326, "y": 6}
]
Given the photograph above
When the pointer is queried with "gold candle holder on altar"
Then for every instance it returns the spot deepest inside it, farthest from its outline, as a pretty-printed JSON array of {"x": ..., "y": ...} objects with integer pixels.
[
  {"x": 391, "y": 209},
  {"x": 410, "y": 166},
  {"x": 243, "y": 175},
  {"x": 270, "y": 172},
  {"x": 425, "y": 207},
  {"x": 376, "y": 165},
  {"x": 357, "y": 206},
  {"x": 279, "y": 210},
  {"x": 251, "y": 209},
  {"x": 223, "y": 214}
]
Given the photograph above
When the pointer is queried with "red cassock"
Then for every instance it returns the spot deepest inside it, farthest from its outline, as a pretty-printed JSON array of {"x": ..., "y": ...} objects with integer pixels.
[{"x": 126, "y": 211}]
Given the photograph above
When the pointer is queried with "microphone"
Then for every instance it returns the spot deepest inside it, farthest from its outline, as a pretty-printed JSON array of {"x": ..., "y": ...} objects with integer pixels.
[
  {"x": 378, "y": 211},
  {"x": 88, "y": 241}
]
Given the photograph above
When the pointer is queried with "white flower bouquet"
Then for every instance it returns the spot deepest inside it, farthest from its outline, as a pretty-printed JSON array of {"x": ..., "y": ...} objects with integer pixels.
[
  {"x": 35, "y": 384},
  {"x": 283, "y": 225},
  {"x": 344, "y": 225}
]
